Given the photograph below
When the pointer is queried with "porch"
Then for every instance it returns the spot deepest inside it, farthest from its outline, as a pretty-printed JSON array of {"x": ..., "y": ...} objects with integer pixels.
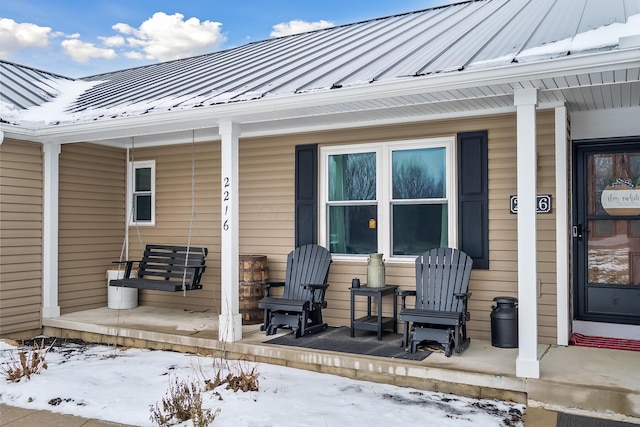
[{"x": 598, "y": 382}]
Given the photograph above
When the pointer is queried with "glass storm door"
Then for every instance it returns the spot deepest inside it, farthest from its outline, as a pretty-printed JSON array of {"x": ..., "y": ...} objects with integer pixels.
[{"x": 606, "y": 233}]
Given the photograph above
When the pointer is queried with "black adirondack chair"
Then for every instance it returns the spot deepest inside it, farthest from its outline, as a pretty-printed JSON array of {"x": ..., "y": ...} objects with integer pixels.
[
  {"x": 302, "y": 301},
  {"x": 440, "y": 313}
]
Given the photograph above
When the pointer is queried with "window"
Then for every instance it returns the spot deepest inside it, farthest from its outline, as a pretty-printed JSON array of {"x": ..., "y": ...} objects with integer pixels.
[
  {"x": 141, "y": 192},
  {"x": 393, "y": 198},
  {"x": 352, "y": 203},
  {"x": 419, "y": 203}
]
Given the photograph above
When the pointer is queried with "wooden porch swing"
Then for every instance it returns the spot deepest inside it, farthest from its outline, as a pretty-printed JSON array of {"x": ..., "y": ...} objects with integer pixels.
[{"x": 166, "y": 267}]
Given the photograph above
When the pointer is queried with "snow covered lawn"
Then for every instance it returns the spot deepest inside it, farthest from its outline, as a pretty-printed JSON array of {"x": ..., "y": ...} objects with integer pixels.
[{"x": 121, "y": 385}]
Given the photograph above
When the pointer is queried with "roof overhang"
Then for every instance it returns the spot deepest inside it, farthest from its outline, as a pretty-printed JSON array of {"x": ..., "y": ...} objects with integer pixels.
[{"x": 569, "y": 80}]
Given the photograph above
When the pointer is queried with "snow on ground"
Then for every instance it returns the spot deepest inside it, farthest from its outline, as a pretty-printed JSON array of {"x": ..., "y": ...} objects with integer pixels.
[{"x": 121, "y": 385}]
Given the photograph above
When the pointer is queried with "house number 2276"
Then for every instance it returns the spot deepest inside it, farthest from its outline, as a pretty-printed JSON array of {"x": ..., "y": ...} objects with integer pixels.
[{"x": 225, "y": 203}]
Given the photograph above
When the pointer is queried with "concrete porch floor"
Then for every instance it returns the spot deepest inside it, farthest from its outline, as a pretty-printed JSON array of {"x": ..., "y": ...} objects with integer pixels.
[{"x": 584, "y": 381}]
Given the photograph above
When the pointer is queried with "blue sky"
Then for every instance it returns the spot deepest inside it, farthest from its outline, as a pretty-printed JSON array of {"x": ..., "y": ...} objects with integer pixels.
[{"x": 81, "y": 38}]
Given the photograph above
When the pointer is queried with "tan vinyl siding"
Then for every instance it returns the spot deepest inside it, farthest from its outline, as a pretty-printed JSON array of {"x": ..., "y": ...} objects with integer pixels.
[
  {"x": 173, "y": 218},
  {"x": 91, "y": 218},
  {"x": 20, "y": 236},
  {"x": 267, "y": 214},
  {"x": 547, "y": 281},
  {"x": 91, "y": 227},
  {"x": 267, "y": 199}
]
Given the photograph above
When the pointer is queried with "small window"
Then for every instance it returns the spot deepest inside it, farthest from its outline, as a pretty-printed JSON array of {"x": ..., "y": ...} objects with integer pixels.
[{"x": 141, "y": 192}]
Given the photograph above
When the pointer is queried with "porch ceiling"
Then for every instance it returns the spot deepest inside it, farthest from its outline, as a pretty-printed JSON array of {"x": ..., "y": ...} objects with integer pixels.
[{"x": 602, "y": 91}]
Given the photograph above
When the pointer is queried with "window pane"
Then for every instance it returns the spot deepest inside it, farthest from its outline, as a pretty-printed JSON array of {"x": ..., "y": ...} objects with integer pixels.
[
  {"x": 602, "y": 172},
  {"x": 604, "y": 228},
  {"x": 418, "y": 228},
  {"x": 142, "y": 207},
  {"x": 419, "y": 174},
  {"x": 352, "y": 176},
  {"x": 143, "y": 179},
  {"x": 353, "y": 229},
  {"x": 634, "y": 169}
]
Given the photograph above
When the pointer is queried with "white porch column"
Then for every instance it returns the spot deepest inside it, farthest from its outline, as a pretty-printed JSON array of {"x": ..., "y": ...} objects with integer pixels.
[
  {"x": 230, "y": 324},
  {"x": 562, "y": 227},
  {"x": 527, "y": 363},
  {"x": 50, "y": 307}
]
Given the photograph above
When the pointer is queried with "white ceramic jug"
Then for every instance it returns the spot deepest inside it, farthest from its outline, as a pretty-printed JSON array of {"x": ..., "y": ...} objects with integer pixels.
[{"x": 375, "y": 271}]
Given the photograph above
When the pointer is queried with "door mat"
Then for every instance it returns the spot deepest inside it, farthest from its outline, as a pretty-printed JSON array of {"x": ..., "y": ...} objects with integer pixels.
[
  {"x": 570, "y": 420},
  {"x": 603, "y": 342},
  {"x": 366, "y": 343}
]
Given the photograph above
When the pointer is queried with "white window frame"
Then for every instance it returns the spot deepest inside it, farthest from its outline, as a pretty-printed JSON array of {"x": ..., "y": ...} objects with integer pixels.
[
  {"x": 130, "y": 191},
  {"x": 384, "y": 152}
]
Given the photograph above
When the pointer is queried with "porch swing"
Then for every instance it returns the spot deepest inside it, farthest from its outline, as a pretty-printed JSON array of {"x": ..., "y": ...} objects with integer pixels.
[{"x": 166, "y": 267}]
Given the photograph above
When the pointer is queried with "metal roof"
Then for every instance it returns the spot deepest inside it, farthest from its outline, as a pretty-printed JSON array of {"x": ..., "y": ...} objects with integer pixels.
[
  {"x": 25, "y": 87},
  {"x": 446, "y": 39}
]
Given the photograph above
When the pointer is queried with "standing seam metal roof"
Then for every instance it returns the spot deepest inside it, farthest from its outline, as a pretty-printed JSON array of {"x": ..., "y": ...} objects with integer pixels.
[
  {"x": 26, "y": 87},
  {"x": 442, "y": 39}
]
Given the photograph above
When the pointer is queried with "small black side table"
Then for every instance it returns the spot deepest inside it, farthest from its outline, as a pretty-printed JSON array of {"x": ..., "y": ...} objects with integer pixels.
[{"x": 376, "y": 323}]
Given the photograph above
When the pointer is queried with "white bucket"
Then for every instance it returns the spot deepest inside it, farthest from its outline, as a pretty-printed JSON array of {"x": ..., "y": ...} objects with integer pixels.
[{"x": 120, "y": 298}]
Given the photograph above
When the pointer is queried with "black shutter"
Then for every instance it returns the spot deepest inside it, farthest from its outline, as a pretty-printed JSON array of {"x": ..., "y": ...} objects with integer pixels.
[
  {"x": 306, "y": 197},
  {"x": 473, "y": 197}
]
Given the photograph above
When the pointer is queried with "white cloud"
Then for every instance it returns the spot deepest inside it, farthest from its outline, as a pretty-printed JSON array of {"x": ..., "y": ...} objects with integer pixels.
[
  {"x": 112, "y": 41},
  {"x": 81, "y": 51},
  {"x": 123, "y": 28},
  {"x": 161, "y": 37},
  {"x": 14, "y": 36},
  {"x": 297, "y": 26},
  {"x": 166, "y": 37},
  {"x": 133, "y": 55}
]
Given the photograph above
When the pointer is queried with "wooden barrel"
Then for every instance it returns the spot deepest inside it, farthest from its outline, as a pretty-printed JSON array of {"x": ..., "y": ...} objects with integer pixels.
[{"x": 253, "y": 270}]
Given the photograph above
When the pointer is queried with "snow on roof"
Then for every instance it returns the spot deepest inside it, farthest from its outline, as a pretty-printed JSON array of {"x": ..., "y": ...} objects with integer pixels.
[
  {"x": 24, "y": 87},
  {"x": 469, "y": 35},
  {"x": 63, "y": 93}
]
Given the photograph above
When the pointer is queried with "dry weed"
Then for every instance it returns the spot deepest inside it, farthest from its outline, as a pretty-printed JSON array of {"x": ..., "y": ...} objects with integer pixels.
[
  {"x": 183, "y": 402},
  {"x": 29, "y": 362},
  {"x": 244, "y": 380},
  {"x": 184, "y": 399}
]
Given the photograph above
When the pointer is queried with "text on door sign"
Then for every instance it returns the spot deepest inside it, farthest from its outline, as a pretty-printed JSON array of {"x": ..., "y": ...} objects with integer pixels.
[{"x": 543, "y": 203}]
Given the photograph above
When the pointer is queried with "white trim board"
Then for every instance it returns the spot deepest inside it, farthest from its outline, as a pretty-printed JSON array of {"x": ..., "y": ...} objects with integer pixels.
[{"x": 605, "y": 123}]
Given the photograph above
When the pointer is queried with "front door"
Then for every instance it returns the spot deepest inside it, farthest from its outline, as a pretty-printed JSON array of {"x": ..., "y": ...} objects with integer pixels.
[{"x": 606, "y": 232}]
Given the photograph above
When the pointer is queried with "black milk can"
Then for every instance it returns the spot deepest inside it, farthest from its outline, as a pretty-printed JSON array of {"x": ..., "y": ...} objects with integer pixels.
[{"x": 504, "y": 322}]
